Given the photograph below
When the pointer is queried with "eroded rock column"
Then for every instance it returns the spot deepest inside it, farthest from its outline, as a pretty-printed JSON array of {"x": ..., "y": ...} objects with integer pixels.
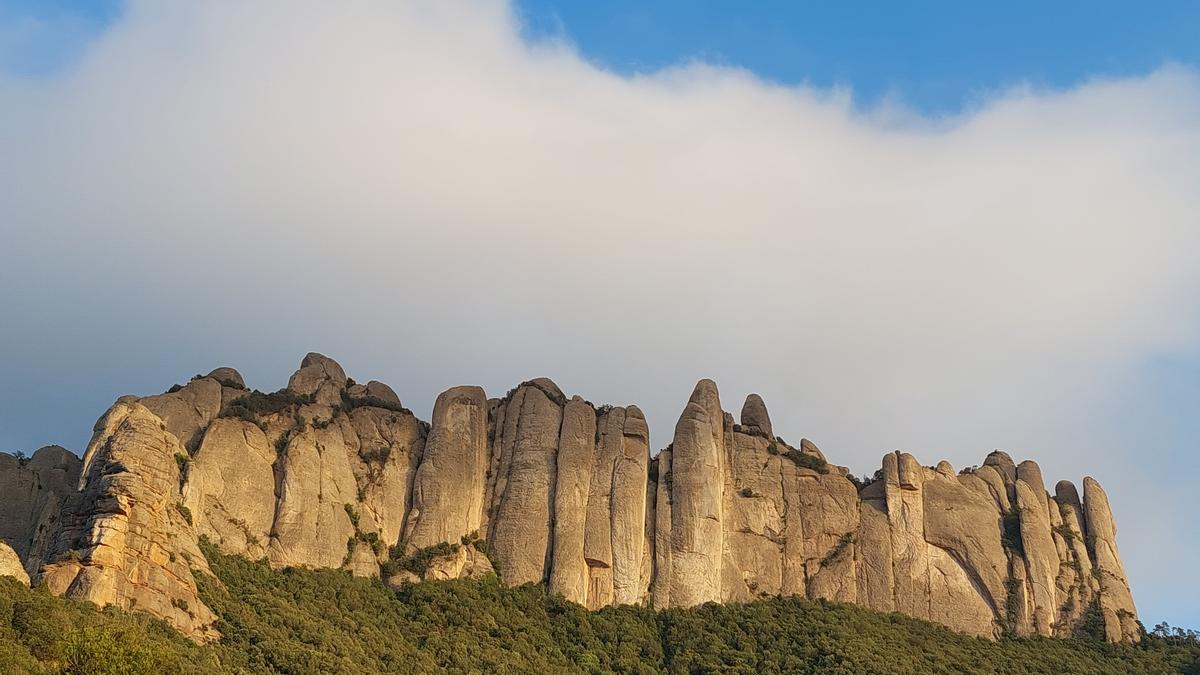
[
  {"x": 447, "y": 492},
  {"x": 696, "y": 481}
]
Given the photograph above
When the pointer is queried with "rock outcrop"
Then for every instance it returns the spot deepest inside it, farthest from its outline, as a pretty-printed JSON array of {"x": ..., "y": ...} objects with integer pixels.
[
  {"x": 10, "y": 564},
  {"x": 32, "y": 493},
  {"x": 540, "y": 487},
  {"x": 125, "y": 541},
  {"x": 447, "y": 491}
]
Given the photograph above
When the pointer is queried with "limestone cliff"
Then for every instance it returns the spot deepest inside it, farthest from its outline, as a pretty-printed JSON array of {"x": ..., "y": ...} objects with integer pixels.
[{"x": 544, "y": 488}]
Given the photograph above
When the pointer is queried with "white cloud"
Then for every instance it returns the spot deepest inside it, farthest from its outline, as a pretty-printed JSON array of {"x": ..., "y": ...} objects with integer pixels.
[{"x": 418, "y": 192}]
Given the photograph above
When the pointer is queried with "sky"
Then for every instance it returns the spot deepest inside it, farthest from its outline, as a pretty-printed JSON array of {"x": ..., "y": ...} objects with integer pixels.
[{"x": 936, "y": 227}]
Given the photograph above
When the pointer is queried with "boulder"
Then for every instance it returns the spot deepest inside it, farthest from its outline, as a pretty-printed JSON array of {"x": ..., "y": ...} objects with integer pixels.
[
  {"x": 810, "y": 448},
  {"x": 227, "y": 377},
  {"x": 754, "y": 417},
  {"x": 1002, "y": 463},
  {"x": 10, "y": 564},
  {"x": 319, "y": 376}
]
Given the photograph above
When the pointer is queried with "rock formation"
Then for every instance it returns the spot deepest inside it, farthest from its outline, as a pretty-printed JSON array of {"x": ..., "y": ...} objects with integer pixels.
[
  {"x": 10, "y": 564},
  {"x": 543, "y": 488},
  {"x": 33, "y": 491},
  {"x": 124, "y": 539}
]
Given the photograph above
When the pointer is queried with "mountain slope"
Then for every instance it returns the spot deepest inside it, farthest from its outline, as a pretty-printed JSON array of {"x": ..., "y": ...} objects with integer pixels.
[{"x": 307, "y": 621}]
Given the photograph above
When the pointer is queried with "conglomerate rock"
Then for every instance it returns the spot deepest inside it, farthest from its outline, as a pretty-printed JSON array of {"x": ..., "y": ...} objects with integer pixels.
[
  {"x": 447, "y": 491},
  {"x": 10, "y": 564},
  {"x": 540, "y": 487},
  {"x": 125, "y": 540},
  {"x": 32, "y": 493}
]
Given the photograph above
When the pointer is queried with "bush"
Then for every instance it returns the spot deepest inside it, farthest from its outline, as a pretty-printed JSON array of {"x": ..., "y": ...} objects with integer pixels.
[
  {"x": 839, "y": 549},
  {"x": 185, "y": 512},
  {"x": 40, "y": 633},
  {"x": 807, "y": 461},
  {"x": 257, "y": 404},
  {"x": 419, "y": 561},
  {"x": 349, "y": 403},
  {"x": 1010, "y": 532}
]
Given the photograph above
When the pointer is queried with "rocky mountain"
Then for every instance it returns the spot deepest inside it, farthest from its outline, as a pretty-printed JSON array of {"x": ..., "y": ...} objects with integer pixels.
[{"x": 543, "y": 488}]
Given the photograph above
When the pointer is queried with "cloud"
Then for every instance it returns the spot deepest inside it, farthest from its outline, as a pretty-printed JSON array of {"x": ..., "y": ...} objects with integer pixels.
[{"x": 418, "y": 191}]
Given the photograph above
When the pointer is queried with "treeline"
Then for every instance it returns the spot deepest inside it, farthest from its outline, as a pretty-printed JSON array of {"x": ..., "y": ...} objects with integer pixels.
[{"x": 300, "y": 621}]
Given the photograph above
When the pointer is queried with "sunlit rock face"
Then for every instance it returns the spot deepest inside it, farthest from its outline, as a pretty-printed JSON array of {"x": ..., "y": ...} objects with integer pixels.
[{"x": 540, "y": 487}]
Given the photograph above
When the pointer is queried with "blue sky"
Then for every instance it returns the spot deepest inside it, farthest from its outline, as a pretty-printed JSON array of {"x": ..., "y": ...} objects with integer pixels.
[
  {"x": 1021, "y": 277},
  {"x": 935, "y": 56}
]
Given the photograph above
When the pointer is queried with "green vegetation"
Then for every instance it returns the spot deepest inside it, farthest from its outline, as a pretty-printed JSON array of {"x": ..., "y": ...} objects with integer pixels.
[
  {"x": 839, "y": 549},
  {"x": 352, "y": 514},
  {"x": 418, "y": 561},
  {"x": 1012, "y": 600},
  {"x": 1010, "y": 532},
  {"x": 185, "y": 512},
  {"x": 1091, "y": 625},
  {"x": 326, "y": 621},
  {"x": 351, "y": 402},
  {"x": 256, "y": 404},
  {"x": 807, "y": 461},
  {"x": 750, "y": 431},
  {"x": 40, "y": 633},
  {"x": 370, "y": 538},
  {"x": 800, "y": 458}
]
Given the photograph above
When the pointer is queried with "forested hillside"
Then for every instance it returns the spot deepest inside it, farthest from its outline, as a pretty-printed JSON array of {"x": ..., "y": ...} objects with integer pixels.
[{"x": 299, "y": 621}]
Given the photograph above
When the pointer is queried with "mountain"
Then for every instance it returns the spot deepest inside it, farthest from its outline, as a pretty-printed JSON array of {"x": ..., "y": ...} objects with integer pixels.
[
  {"x": 545, "y": 489},
  {"x": 327, "y": 621}
]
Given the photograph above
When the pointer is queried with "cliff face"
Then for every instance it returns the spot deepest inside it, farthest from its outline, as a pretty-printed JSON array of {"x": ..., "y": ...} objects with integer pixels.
[{"x": 549, "y": 489}]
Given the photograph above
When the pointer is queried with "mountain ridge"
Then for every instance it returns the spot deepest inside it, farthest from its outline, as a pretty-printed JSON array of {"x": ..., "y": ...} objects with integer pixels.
[{"x": 544, "y": 488}]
